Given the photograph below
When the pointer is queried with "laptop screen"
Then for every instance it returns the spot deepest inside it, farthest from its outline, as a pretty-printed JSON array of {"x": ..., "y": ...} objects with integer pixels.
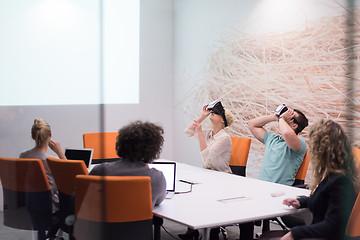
[
  {"x": 84, "y": 154},
  {"x": 169, "y": 171}
]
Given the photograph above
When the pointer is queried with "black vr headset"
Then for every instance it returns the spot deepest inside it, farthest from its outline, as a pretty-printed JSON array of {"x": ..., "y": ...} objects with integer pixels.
[{"x": 217, "y": 108}]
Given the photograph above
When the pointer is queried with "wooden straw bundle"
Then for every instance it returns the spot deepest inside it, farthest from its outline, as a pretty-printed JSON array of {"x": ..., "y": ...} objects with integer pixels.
[{"x": 305, "y": 69}]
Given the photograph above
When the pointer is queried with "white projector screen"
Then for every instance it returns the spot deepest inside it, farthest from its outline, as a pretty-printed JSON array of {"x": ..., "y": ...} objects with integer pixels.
[{"x": 53, "y": 52}]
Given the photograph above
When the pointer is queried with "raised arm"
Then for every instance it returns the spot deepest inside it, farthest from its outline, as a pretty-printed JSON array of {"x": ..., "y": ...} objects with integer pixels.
[
  {"x": 286, "y": 126},
  {"x": 256, "y": 126},
  {"x": 56, "y": 147},
  {"x": 204, "y": 114}
]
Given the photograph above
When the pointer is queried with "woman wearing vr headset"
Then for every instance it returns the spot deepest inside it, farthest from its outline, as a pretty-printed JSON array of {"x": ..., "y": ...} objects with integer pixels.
[
  {"x": 215, "y": 147},
  {"x": 215, "y": 144}
]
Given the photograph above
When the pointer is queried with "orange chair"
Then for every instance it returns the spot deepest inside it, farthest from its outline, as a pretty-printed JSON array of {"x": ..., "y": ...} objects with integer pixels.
[
  {"x": 113, "y": 207},
  {"x": 238, "y": 160},
  {"x": 103, "y": 144},
  {"x": 239, "y": 155},
  {"x": 64, "y": 173},
  {"x": 353, "y": 226},
  {"x": 301, "y": 174},
  {"x": 356, "y": 153},
  {"x": 27, "y": 195}
]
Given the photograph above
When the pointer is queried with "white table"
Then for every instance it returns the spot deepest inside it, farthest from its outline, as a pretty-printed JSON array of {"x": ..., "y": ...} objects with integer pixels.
[{"x": 220, "y": 199}]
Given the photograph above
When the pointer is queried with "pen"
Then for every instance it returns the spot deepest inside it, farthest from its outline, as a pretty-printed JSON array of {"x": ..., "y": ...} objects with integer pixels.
[
  {"x": 290, "y": 203},
  {"x": 184, "y": 181}
]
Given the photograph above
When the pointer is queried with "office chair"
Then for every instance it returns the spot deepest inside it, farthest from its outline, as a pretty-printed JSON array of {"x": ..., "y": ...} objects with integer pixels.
[
  {"x": 27, "y": 195},
  {"x": 356, "y": 153},
  {"x": 352, "y": 229},
  {"x": 238, "y": 160},
  {"x": 103, "y": 144},
  {"x": 64, "y": 173},
  {"x": 239, "y": 155},
  {"x": 113, "y": 207},
  {"x": 301, "y": 174}
]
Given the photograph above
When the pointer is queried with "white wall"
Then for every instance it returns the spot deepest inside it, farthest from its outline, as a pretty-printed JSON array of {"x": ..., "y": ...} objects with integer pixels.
[
  {"x": 198, "y": 25},
  {"x": 70, "y": 122}
]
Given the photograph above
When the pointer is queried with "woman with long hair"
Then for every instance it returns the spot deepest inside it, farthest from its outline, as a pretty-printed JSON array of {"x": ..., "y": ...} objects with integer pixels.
[{"x": 334, "y": 186}]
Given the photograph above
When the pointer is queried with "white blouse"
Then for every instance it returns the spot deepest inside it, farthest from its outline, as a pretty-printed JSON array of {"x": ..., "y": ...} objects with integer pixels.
[{"x": 217, "y": 154}]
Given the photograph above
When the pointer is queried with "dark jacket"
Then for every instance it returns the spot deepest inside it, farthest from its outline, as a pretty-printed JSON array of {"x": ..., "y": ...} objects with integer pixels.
[{"x": 331, "y": 205}]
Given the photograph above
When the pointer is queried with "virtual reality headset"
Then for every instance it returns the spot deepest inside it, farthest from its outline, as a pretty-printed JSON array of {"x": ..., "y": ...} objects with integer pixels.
[
  {"x": 217, "y": 108},
  {"x": 280, "y": 109}
]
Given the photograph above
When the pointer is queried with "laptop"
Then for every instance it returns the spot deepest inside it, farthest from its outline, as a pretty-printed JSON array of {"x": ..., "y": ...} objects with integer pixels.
[
  {"x": 84, "y": 154},
  {"x": 169, "y": 171}
]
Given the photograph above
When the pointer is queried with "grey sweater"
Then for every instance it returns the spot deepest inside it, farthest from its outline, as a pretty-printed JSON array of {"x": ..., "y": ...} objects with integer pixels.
[{"x": 124, "y": 167}]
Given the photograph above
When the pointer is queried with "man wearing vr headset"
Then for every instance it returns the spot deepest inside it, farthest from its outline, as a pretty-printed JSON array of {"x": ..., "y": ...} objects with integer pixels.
[{"x": 283, "y": 153}]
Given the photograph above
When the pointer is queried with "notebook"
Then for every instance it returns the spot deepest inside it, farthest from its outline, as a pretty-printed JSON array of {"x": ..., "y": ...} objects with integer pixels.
[
  {"x": 169, "y": 171},
  {"x": 84, "y": 154}
]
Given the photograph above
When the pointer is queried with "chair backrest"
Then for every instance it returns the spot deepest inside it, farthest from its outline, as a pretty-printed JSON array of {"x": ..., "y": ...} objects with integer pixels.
[
  {"x": 64, "y": 173},
  {"x": 103, "y": 204},
  {"x": 301, "y": 174},
  {"x": 103, "y": 144},
  {"x": 239, "y": 155},
  {"x": 23, "y": 175},
  {"x": 26, "y": 191},
  {"x": 356, "y": 152},
  {"x": 353, "y": 225}
]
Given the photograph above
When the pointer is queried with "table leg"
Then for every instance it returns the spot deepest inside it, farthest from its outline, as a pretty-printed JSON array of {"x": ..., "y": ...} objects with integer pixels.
[
  {"x": 157, "y": 222},
  {"x": 206, "y": 233}
]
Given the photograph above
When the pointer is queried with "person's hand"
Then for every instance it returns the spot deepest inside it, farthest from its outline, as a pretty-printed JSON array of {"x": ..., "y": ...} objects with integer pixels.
[
  {"x": 291, "y": 202},
  {"x": 197, "y": 126},
  {"x": 56, "y": 147},
  {"x": 288, "y": 115},
  {"x": 287, "y": 236},
  {"x": 205, "y": 112}
]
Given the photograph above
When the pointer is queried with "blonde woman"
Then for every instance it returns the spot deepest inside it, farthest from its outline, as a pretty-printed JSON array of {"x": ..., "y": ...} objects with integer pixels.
[
  {"x": 41, "y": 133},
  {"x": 215, "y": 144},
  {"x": 215, "y": 147},
  {"x": 334, "y": 186}
]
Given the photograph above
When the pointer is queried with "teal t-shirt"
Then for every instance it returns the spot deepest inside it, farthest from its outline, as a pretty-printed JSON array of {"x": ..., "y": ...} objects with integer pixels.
[{"x": 280, "y": 163}]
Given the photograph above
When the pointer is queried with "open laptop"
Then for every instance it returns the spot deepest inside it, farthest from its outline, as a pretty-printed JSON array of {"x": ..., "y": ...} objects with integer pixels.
[
  {"x": 84, "y": 154},
  {"x": 169, "y": 171}
]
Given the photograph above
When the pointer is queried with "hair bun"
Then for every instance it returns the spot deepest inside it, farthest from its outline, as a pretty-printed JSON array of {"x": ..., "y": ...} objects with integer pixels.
[{"x": 38, "y": 122}]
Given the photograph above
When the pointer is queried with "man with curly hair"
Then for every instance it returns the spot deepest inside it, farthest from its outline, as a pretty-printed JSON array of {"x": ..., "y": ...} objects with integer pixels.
[{"x": 138, "y": 144}]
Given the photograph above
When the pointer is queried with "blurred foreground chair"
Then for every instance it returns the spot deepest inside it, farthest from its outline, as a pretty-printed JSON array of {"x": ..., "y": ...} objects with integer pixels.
[
  {"x": 239, "y": 155},
  {"x": 353, "y": 225},
  {"x": 103, "y": 144},
  {"x": 113, "y": 207},
  {"x": 27, "y": 195},
  {"x": 64, "y": 173},
  {"x": 356, "y": 152}
]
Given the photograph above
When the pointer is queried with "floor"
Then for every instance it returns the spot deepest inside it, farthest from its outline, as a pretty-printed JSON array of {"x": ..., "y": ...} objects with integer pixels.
[{"x": 169, "y": 231}]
